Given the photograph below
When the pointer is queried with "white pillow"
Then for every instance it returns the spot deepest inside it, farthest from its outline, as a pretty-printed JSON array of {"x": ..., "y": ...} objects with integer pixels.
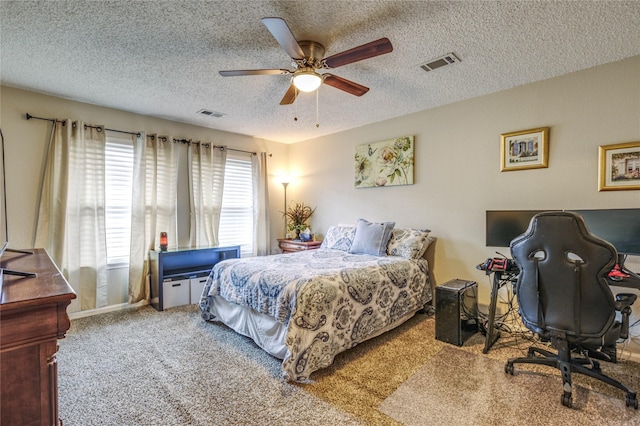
[
  {"x": 371, "y": 238},
  {"x": 339, "y": 237},
  {"x": 408, "y": 243}
]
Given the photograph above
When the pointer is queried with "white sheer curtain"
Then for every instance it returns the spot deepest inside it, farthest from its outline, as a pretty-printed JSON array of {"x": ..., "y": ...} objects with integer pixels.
[
  {"x": 206, "y": 184},
  {"x": 71, "y": 223},
  {"x": 153, "y": 207},
  {"x": 261, "y": 234}
]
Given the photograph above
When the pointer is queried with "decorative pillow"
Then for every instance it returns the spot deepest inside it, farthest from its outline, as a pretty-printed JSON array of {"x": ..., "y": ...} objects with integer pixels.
[
  {"x": 408, "y": 243},
  {"x": 339, "y": 237},
  {"x": 371, "y": 238}
]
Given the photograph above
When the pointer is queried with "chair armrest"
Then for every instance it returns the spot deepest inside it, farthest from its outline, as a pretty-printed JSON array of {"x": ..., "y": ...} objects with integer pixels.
[
  {"x": 625, "y": 300},
  {"x": 623, "y": 304}
]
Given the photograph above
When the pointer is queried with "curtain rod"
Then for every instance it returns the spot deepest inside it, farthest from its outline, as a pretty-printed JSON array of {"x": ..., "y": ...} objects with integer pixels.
[
  {"x": 221, "y": 147},
  {"x": 29, "y": 116}
]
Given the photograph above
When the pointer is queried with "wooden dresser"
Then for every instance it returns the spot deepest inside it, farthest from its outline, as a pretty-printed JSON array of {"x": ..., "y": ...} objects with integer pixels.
[
  {"x": 292, "y": 246},
  {"x": 33, "y": 315}
]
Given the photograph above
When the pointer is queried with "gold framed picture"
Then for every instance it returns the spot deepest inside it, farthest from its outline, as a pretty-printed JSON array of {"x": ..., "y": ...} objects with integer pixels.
[
  {"x": 619, "y": 166},
  {"x": 526, "y": 149}
]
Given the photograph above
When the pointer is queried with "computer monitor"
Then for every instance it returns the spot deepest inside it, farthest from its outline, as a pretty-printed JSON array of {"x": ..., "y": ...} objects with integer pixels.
[
  {"x": 4, "y": 224},
  {"x": 4, "y": 238},
  {"x": 504, "y": 225},
  {"x": 620, "y": 227}
]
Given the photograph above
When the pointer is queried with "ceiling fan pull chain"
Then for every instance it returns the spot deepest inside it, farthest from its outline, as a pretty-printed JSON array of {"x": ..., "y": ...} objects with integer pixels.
[
  {"x": 317, "y": 114},
  {"x": 295, "y": 105}
]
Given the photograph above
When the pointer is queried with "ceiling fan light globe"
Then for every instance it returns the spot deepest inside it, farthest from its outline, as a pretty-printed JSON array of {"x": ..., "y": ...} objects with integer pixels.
[{"x": 307, "y": 81}]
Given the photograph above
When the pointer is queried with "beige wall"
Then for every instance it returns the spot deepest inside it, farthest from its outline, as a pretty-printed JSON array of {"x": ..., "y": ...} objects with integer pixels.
[{"x": 457, "y": 163}]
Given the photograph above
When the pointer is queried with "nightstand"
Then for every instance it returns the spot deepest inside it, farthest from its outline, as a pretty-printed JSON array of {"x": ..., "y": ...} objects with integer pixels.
[{"x": 292, "y": 246}]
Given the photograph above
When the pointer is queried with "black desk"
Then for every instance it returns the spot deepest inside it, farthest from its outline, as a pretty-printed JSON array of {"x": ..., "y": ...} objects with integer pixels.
[
  {"x": 500, "y": 279},
  {"x": 630, "y": 282}
]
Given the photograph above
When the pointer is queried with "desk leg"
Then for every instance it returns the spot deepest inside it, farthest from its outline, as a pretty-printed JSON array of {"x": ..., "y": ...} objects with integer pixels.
[{"x": 492, "y": 336}]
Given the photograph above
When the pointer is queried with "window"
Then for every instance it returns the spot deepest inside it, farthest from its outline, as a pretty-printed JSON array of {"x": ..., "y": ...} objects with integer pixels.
[
  {"x": 236, "y": 217},
  {"x": 118, "y": 190}
]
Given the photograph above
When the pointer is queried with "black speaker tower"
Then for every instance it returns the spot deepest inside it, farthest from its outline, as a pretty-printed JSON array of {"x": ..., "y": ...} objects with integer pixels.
[{"x": 456, "y": 311}]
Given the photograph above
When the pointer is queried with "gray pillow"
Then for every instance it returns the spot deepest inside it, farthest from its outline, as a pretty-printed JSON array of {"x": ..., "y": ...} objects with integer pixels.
[{"x": 371, "y": 238}]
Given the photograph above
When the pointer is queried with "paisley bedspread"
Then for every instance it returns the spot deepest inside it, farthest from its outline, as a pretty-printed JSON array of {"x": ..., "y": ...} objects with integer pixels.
[{"x": 331, "y": 299}]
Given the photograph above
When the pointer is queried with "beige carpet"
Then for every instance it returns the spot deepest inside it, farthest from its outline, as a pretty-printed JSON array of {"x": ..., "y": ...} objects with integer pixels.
[
  {"x": 457, "y": 387},
  {"x": 143, "y": 367},
  {"x": 147, "y": 368},
  {"x": 435, "y": 383}
]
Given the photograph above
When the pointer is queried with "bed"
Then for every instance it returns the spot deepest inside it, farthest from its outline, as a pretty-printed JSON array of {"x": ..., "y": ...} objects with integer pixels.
[{"x": 307, "y": 307}]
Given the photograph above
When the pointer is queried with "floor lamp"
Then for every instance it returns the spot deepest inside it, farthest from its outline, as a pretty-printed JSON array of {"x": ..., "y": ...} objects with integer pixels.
[{"x": 285, "y": 184}]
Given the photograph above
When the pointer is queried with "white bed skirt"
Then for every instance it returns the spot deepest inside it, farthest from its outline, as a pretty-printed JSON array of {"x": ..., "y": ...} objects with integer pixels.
[
  {"x": 265, "y": 331},
  {"x": 268, "y": 333}
]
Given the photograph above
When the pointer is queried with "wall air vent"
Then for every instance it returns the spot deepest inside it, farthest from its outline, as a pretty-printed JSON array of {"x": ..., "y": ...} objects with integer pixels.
[
  {"x": 440, "y": 62},
  {"x": 209, "y": 113}
]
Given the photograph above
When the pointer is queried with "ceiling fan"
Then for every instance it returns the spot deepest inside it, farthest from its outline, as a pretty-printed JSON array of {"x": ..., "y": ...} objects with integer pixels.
[{"x": 308, "y": 58}]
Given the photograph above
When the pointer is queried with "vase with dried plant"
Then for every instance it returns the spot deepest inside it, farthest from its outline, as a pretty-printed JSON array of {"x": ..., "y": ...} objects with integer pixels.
[{"x": 297, "y": 217}]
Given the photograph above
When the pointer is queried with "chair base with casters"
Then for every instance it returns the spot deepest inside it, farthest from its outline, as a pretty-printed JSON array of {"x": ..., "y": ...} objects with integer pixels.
[{"x": 581, "y": 362}]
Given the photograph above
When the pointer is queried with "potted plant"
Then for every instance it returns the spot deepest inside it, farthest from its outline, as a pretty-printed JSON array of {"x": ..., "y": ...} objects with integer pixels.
[{"x": 297, "y": 217}]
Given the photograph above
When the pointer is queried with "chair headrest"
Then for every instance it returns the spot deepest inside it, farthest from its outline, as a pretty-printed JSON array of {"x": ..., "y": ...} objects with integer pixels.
[{"x": 559, "y": 233}]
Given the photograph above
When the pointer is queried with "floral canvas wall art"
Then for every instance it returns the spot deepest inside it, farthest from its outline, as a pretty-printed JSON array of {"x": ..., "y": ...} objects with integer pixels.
[{"x": 386, "y": 163}]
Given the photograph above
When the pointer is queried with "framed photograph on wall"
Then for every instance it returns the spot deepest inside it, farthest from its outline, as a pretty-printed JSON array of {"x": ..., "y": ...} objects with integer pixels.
[
  {"x": 526, "y": 149},
  {"x": 385, "y": 163},
  {"x": 619, "y": 166}
]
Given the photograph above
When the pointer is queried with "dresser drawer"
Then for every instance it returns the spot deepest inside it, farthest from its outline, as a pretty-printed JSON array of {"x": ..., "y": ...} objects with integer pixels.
[{"x": 290, "y": 246}]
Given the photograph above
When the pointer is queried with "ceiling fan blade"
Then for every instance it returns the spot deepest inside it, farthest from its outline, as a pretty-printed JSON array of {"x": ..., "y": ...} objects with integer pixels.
[
  {"x": 283, "y": 35},
  {"x": 234, "y": 73},
  {"x": 344, "y": 84},
  {"x": 290, "y": 96},
  {"x": 369, "y": 50}
]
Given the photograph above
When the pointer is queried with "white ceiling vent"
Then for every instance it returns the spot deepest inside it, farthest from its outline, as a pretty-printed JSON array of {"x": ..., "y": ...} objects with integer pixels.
[
  {"x": 440, "y": 62},
  {"x": 210, "y": 113}
]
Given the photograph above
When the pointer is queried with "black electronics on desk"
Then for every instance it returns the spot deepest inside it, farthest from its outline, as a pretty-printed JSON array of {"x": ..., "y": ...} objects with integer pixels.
[
  {"x": 620, "y": 227},
  {"x": 456, "y": 311}
]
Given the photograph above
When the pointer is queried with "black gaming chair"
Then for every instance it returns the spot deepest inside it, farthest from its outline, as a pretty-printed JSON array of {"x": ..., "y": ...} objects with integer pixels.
[{"x": 564, "y": 298}]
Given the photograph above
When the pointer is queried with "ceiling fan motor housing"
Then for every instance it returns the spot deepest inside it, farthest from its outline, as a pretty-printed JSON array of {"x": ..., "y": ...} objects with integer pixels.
[{"x": 313, "y": 53}]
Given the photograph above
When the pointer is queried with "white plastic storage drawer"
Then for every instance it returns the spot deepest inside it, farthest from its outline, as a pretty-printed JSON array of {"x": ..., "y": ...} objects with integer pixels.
[
  {"x": 197, "y": 286},
  {"x": 175, "y": 293}
]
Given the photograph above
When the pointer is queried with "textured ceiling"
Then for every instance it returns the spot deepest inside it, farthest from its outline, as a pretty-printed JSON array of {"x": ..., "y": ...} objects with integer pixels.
[{"x": 161, "y": 58}]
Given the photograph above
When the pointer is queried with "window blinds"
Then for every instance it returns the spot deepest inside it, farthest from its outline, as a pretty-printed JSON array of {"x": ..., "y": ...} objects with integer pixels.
[
  {"x": 118, "y": 182},
  {"x": 236, "y": 217}
]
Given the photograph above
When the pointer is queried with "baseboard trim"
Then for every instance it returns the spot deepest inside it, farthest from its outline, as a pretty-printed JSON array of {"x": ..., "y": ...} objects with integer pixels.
[{"x": 106, "y": 309}]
